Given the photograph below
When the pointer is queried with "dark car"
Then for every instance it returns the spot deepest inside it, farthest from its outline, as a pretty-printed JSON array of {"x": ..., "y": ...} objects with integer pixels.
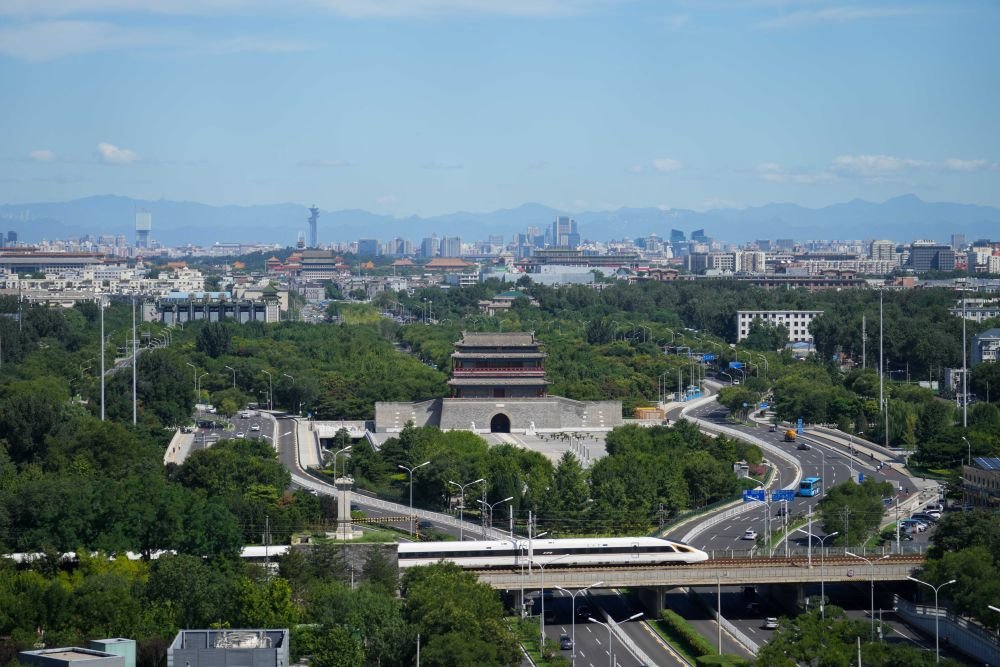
[
  {"x": 565, "y": 642},
  {"x": 583, "y": 611},
  {"x": 803, "y": 446}
]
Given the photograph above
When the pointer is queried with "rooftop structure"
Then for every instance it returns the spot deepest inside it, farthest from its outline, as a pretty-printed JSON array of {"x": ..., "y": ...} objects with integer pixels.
[
  {"x": 502, "y": 365},
  {"x": 229, "y": 648},
  {"x": 78, "y": 657}
]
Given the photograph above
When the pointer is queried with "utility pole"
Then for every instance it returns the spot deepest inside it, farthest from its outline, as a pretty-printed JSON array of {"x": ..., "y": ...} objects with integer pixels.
[
  {"x": 881, "y": 368},
  {"x": 846, "y": 513},
  {"x": 134, "y": 354},
  {"x": 863, "y": 340},
  {"x": 103, "y": 345},
  {"x": 965, "y": 372}
]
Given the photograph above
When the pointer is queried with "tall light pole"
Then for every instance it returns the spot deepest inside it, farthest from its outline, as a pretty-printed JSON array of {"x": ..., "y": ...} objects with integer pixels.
[
  {"x": 572, "y": 613},
  {"x": 338, "y": 453},
  {"x": 965, "y": 372},
  {"x": 134, "y": 355},
  {"x": 195, "y": 369},
  {"x": 611, "y": 656},
  {"x": 871, "y": 564},
  {"x": 270, "y": 395},
  {"x": 970, "y": 448},
  {"x": 103, "y": 345},
  {"x": 461, "y": 506},
  {"x": 937, "y": 626},
  {"x": 541, "y": 617},
  {"x": 488, "y": 507},
  {"x": 410, "y": 471},
  {"x": 234, "y": 375},
  {"x": 197, "y": 384},
  {"x": 822, "y": 572}
]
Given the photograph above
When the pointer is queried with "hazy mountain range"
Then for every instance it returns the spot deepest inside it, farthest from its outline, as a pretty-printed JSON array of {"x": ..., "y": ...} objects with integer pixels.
[{"x": 900, "y": 219}]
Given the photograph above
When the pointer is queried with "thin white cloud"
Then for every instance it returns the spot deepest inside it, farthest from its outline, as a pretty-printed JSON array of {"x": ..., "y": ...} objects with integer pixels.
[
  {"x": 874, "y": 165},
  {"x": 41, "y": 41},
  {"x": 323, "y": 163},
  {"x": 831, "y": 15},
  {"x": 660, "y": 164},
  {"x": 667, "y": 164},
  {"x": 676, "y": 21},
  {"x": 112, "y": 154},
  {"x": 447, "y": 166},
  {"x": 42, "y": 155},
  {"x": 349, "y": 8},
  {"x": 773, "y": 172},
  {"x": 958, "y": 164},
  {"x": 49, "y": 40}
]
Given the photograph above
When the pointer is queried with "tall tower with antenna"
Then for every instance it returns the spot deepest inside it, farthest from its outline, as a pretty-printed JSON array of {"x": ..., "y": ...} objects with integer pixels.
[{"x": 313, "y": 220}]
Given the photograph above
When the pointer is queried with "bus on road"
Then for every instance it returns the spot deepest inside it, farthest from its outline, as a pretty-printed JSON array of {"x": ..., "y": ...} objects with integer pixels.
[{"x": 811, "y": 486}]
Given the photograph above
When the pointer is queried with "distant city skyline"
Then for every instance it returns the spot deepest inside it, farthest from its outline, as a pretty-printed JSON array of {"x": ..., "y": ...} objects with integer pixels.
[{"x": 424, "y": 107}]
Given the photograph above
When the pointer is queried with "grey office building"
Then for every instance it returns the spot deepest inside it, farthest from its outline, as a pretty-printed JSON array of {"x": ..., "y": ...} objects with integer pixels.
[{"x": 931, "y": 258}]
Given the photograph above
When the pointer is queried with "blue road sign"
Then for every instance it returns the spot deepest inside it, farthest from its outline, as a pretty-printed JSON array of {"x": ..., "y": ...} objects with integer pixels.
[
  {"x": 708, "y": 357},
  {"x": 753, "y": 494},
  {"x": 798, "y": 426},
  {"x": 861, "y": 477},
  {"x": 736, "y": 364},
  {"x": 782, "y": 494},
  {"x": 764, "y": 406}
]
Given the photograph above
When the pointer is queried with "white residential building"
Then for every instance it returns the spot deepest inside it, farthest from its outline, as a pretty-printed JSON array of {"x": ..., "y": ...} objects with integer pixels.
[{"x": 796, "y": 321}]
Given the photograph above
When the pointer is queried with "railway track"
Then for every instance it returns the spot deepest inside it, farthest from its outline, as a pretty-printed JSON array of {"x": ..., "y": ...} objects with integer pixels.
[{"x": 762, "y": 562}]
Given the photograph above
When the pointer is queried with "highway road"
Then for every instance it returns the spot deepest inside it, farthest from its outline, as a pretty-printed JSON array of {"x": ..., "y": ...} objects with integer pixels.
[{"x": 826, "y": 458}]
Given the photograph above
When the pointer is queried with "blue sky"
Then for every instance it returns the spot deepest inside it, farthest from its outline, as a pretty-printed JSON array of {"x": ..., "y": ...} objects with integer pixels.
[{"x": 432, "y": 106}]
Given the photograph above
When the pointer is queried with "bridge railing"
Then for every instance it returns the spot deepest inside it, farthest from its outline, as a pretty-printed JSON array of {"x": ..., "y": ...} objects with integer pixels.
[
  {"x": 321, "y": 486},
  {"x": 820, "y": 552}
]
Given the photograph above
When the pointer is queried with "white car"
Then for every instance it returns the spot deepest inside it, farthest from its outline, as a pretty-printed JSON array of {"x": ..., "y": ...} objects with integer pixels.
[
  {"x": 770, "y": 623},
  {"x": 255, "y": 427},
  {"x": 750, "y": 534},
  {"x": 241, "y": 434}
]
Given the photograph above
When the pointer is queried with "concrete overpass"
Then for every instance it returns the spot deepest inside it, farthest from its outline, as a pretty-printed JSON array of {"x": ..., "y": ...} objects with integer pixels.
[{"x": 653, "y": 582}]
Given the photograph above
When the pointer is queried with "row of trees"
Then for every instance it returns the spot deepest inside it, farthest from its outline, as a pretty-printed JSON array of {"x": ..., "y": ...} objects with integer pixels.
[
  {"x": 648, "y": 473},
  {"x": 340, "y": 615}
]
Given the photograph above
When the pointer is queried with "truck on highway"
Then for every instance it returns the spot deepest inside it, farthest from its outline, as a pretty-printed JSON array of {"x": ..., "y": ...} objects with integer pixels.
[{"x": 790, "y": 435}]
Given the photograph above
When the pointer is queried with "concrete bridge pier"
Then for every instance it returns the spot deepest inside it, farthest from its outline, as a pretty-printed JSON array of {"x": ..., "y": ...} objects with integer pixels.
[
  {"x": 788, "y": 596},
  {"x": 651, "y": 598}
]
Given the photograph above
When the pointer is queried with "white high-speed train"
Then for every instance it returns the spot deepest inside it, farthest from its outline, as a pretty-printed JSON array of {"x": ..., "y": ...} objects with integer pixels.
[{"x": 561, "y": 553}]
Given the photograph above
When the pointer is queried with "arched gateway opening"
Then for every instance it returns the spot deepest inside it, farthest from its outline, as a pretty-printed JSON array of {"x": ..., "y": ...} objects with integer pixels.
[{"x": 500, "y": 424}]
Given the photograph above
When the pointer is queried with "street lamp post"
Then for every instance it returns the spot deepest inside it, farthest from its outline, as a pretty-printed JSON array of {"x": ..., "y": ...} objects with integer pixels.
[
  {"x": 822, "y": 572},
  {"x": 871, "y": 563},
  {"x": 461, "y": 506},
  {"x": 937, "y": 627},
  {"x": 410, "y": 471},
  {"x": 488, "y": 507},
  {"x": 270, "y": 393},
  {"x": 608, "y": 625},
  {"x": 234, "y": 375},
  {"x": 541, "y": 617},
  {"x": 969, "y": 445},
  {"x": 338, "y": 453},
  {"x": 195, "y": 369},
  {"x": 572, "y": 613}
]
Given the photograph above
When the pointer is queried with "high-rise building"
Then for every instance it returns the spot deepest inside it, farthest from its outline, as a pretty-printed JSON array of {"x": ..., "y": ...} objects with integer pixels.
[
  {"x": 676, "y": 236},
  {"x": 367, "y": 247},
  {"x": 929, "y": 257},
  {"x": 957, "y": 241},
  {"x": 143, "y": 227},
  {"x": 451, "y": 246},
  {"x": 430, "y": 247},
  {"x": 564, "y": 232},
  {"x": 11, "y": 238},
  {"x": 882, "y": 251},
  {"x": 699, "y": 236}
]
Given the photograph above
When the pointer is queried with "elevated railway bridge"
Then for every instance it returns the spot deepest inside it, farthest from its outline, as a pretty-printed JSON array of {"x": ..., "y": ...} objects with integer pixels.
[{"x": 652, "y": 582}]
